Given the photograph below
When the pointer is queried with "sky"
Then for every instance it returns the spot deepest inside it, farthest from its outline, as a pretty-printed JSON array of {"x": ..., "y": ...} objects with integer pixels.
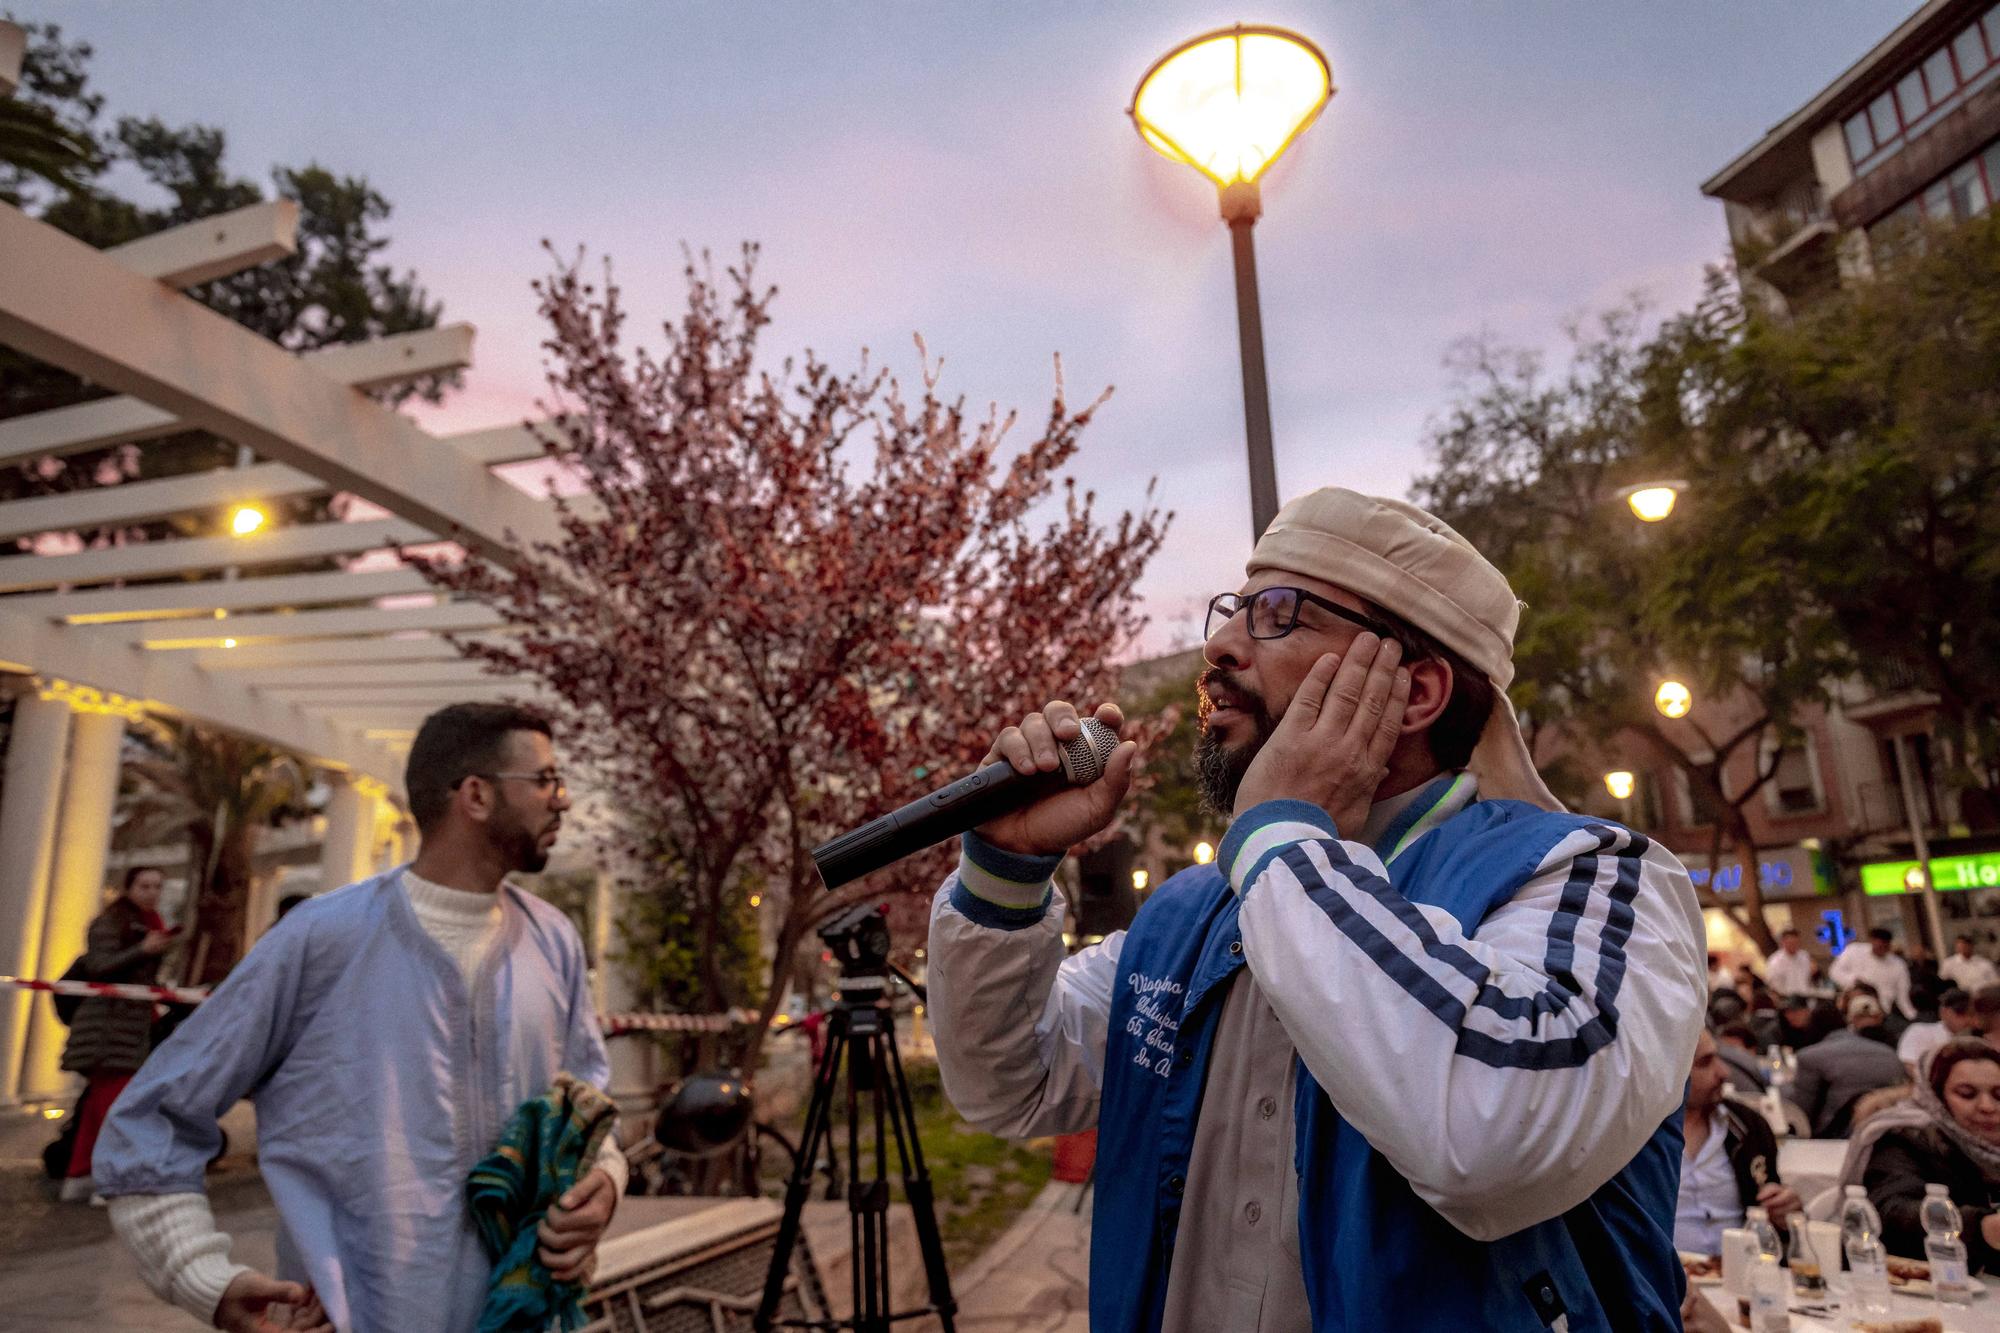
[{"x": 967, "y": 172}]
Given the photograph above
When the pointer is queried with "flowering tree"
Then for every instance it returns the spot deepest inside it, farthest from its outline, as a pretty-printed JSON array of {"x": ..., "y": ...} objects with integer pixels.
[{"x": 787, "y": 598}]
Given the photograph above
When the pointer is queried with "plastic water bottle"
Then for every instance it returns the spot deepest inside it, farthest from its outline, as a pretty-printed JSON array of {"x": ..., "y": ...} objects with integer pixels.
[
  {"x": 1770, "y": 1297},
  {"x": 1757, "y": 1221},
  {"x": 1867, "y": 1261},
  {"x": 1951, "y": 1279}
]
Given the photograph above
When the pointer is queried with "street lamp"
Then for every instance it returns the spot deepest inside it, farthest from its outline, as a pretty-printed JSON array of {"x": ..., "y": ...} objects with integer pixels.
[
  {"x": 246, "y": 519},
  {"x": 1619, "y": 784},
  {"x": 1652, "y": 501},
  {"x": 1673, "y": 699},
  {"x": 1203, "y": 853},
  {"x": 1229, "y": 103}
]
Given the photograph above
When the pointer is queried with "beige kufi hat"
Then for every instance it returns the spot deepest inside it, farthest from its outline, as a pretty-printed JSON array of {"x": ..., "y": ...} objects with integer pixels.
[{"x": 1411, "y": 563}]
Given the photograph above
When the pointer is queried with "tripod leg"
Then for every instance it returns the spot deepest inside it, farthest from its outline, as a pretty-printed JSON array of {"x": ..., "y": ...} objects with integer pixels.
[
  {"x": 818, "y": 1126},
  {"x": 917, "y": 1186}
]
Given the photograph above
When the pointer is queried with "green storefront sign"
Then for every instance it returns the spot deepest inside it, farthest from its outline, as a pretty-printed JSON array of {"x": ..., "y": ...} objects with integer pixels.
[{"x": 1978, "y": 870}]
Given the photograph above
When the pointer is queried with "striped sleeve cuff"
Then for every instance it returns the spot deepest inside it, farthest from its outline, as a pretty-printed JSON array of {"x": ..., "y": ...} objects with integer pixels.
[
  {"x": 1263, "y": 831},
  {"x": 1002, "y": 889}
]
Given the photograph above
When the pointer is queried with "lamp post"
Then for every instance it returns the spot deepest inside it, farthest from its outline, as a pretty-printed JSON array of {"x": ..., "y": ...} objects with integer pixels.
[{"x": 1229, "y": 103}]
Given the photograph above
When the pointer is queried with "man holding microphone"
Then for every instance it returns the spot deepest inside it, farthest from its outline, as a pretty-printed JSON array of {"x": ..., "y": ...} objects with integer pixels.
[{"x": 1411, "y": 1053}]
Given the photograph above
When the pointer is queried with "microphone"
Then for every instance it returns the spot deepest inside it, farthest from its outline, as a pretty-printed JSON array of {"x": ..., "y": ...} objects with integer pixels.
[{"x": 966, "y": 804}]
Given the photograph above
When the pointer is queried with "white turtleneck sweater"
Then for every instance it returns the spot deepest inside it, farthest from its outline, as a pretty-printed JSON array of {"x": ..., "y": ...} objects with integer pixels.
[{"x": 182, "y": 1255}]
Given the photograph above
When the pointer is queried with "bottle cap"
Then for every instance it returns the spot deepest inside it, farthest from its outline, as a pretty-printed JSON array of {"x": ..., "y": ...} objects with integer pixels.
[
  {"x": 1935, "y": 1189},
  {"x": 1856, "y": 1192},
  {"x": 1755, "y": 1215}
]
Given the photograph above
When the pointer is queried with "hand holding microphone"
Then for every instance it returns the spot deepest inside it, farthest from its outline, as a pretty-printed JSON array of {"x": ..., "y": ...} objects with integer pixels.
[
  {"x": 1060, "y": 820},
  {"x": 1045, "y": 786}
]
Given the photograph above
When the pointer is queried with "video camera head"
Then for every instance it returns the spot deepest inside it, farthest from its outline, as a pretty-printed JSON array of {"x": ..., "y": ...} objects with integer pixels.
[{"x": 859, "y": 939}]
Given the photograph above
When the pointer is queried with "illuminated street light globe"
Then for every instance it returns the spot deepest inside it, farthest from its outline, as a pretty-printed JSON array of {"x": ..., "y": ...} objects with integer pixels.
[
  {"x": 1619, "y": 784},
  {"x": 1140, "y": 879},
  {"x": 1673, "y": 699},
  {"x": 1229, "y": 102},
  {"x": 246, "y": 519},
  {"x": 1653, "y": 501},
  {"x": 1203, "y": 853}
]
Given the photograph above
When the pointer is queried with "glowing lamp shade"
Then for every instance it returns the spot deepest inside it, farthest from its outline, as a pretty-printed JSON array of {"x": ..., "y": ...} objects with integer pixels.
[
  {"x": 1619, "y": 784},
  {"x": 1652, "y": 501},
  {"x": 1203, "y": 853},
  {"x": 246, "y": 519},
  {"x": 1140, "y": 879},
  {"x": 1229, "y": 102},
  {"x": 1673, "y": 699}
]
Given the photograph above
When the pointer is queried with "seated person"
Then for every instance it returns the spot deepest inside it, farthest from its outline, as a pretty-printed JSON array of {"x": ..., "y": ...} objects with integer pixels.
[
  {"x": 1948, "y": 1131},
  {"x": 1730, "y": 1160},
  {"x": 1804, "y": 1020},
  {"x": 1737, "y": 1046},
  {"x": 1955, "y": 1019},
  {"x": 1834, "y": 1073}
]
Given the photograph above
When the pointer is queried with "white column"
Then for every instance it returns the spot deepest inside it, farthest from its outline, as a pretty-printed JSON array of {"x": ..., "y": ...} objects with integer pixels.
[
  {"x": 76, "y": 885},
  {"x": 27, "y": 833},
  {"x": 348, "y": 851}
]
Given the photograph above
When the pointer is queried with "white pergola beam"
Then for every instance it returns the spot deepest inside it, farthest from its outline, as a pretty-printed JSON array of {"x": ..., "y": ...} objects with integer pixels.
[
  {"x": 377, "y": 697},
  {"x": 498, "y": 444},
  {"x": 253, "y": 657},
  {"x": 369, "y": 675},
  {"x": 74, "y": 307},
  {"x": 187, "y": 596},
  {"x": 272, "y": 545},
  {"x": 214, "y": 247},
  {"x": 450, "y": 617},
  {"x": 141, "y": 501},
  {"x": 172, "y": 681},
  {"x": 122, "y": 420}
]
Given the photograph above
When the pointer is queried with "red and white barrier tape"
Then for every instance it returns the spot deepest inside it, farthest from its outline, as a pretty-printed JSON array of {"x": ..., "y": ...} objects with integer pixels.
[
  {"x": 613, "y": 1024},
  {"x": 113, "y": 990}
]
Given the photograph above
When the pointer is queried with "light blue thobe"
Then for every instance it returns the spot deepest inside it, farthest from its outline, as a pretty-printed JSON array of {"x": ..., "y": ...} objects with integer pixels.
[{"x": 379, "y": 1082}]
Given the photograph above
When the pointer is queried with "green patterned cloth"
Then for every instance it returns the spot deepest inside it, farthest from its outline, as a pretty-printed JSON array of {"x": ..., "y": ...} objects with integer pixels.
[{"x": 547, "y": 1144}]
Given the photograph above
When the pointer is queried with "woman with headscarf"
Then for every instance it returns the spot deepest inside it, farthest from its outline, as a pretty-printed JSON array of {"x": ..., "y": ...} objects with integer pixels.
[
  {"x": 110, "y": 1039},
  {"x": 1946, "y": 1132}
]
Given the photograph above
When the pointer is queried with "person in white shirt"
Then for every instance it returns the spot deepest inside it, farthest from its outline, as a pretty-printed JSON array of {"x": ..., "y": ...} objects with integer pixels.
[
  {"x": 1967, "y": 970},
  {"x": 1720, "y": 974},
  {"x": 1920, "y": 1039},
  {"x": 1789, "y": 971},
  {"x": 1875, "y": 964}
]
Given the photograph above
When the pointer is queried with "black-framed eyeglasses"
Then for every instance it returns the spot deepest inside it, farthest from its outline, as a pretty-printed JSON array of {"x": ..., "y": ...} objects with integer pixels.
[
  {"x": 548, "y": 780},
  {"x": 1274, "y": 613}
]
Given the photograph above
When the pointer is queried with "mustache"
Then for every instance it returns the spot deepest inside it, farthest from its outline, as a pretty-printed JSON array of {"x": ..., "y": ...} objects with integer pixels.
[{"x": 1218, "y": 688}]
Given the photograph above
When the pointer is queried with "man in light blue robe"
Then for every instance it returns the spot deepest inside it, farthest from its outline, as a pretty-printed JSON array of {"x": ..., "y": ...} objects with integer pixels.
[{"x": 384, "y": 1042}]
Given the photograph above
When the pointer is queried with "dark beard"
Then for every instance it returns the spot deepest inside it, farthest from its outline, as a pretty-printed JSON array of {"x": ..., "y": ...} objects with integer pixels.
[{"x": 1218, "y": 769}]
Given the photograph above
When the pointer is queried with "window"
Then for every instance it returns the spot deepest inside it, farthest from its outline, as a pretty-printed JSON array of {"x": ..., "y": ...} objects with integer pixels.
[
  {"x": 1882, "y": 119},
  {"x": 1794, "y": 788},
  {"x": 1968, "y": 194},
  {"x": 1938, "y": 72},
  {"x": 1910, "y": 99},
  {"x": 1969, "y": 51},
  {"x": 1859, "y": 142},
  {"x": 1937, "y": 202}
]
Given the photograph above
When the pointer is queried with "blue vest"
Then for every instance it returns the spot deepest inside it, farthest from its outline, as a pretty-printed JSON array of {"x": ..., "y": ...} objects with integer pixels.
[{"x": 1375, "y": 1256}]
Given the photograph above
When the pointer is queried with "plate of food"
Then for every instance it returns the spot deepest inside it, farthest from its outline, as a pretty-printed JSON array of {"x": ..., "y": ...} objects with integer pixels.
[
  {"x": 1912, "y": 1277},
  {"x": 1926, "y": 1325},
  {"x": 1703, "y": 1270}
]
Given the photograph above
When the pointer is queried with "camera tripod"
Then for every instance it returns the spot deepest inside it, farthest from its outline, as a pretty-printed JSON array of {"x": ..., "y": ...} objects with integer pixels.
[{"x": 861, "y": 1030}]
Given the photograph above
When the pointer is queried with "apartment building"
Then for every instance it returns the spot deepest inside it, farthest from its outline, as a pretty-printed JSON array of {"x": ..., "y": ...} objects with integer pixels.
[{"x": 1909, "y": 132}]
